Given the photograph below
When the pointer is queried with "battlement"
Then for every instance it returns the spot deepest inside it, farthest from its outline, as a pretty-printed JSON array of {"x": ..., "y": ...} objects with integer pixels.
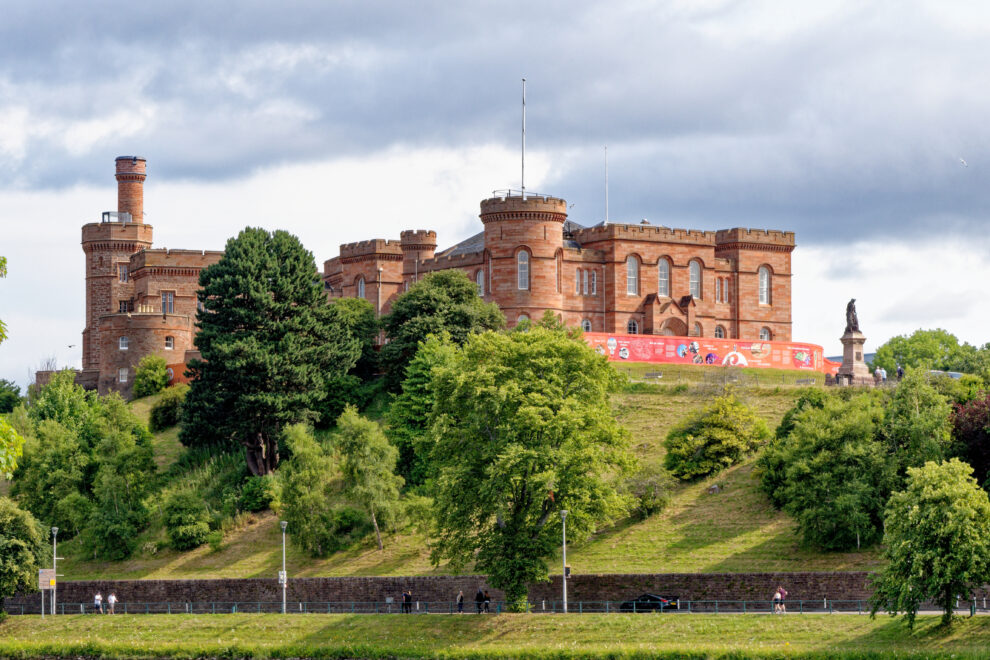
[
  {"x": 370, "y": 247},
  {"x": 641, "y": 232},
  {"x": 97, "y": 232},
  {"x": 163, "y": 258},
  {"x": 515, "y": 204},
  {"x": 414, "y": 238},
  {"x": 453, "y": 261},
  {"x": 743, "y": 235}
]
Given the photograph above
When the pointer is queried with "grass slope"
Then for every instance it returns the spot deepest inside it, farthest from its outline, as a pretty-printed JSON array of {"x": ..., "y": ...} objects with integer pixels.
[
  {"x": 735, "y": 530},
  {"x": 518, "y": 636}
]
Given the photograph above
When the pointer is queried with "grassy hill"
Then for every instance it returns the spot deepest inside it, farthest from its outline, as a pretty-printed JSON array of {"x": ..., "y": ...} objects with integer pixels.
[{"x": 735, "y": 530}]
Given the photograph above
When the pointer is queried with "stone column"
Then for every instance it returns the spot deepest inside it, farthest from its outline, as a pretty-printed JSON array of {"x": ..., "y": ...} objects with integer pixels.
[{"x": 853, "y": 370}]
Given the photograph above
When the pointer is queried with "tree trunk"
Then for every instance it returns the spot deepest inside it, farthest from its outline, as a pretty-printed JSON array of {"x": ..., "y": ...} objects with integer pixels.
[
  {"x": 261, "y": 453},
  {"x": 378, "y": 534}
]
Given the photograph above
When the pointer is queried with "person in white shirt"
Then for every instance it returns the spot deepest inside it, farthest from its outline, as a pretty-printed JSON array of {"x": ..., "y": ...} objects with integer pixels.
[{"x": 111, "y": 601}]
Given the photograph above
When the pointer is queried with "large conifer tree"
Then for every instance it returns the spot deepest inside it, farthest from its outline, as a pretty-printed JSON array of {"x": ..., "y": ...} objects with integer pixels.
[{"x": 270, "y": 344}]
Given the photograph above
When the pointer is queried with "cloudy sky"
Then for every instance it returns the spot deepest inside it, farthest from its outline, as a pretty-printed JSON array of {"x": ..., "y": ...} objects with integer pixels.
[{"x": 863, "y": 127}]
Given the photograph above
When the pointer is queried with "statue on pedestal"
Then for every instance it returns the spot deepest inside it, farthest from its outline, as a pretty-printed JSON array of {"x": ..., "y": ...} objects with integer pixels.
[
  {"x": 852, "y": 321},
  {"x": 853, "y": 370}
]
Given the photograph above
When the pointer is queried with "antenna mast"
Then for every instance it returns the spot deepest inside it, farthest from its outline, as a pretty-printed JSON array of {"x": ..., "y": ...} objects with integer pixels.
[
  {"x": 523, "y": 181},
  {"x": 606, "y": 184}
]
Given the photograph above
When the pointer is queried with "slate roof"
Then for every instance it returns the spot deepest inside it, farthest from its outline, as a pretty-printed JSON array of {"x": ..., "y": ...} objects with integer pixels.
[{"x": 476, "y": 243}]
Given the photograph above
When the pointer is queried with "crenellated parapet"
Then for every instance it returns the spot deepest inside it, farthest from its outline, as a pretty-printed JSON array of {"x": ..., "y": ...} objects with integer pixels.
[
  {"x": 375, "y": 248},
  {"x": 533, "y": 208},
  {"x": 640, "y": 232},
  {"x": 771, "y": 240}
]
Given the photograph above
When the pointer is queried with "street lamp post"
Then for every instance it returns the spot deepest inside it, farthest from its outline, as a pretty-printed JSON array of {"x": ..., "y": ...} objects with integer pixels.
[
  {"x": 563, "y": 579},
  {"x": 283, "y": 576},
  {"x": 54, "y": 564}
]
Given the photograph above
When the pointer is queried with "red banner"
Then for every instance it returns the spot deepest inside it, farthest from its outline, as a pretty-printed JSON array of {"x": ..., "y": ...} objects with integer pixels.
[{"x": 706, "y": 350}]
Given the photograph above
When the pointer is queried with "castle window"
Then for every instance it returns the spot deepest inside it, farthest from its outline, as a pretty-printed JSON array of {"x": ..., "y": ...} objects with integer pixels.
[
  {"x": 479, "y": 279},
  {"x": 122, "y": 375},
  {"x": 632, "y": 327},
  {"x": 169, "y": 343},
  {"x": 522, "y": 318},
  {"x": 765, "y": 334},
  {"x": 586, "y": 325},
  {"x": 632, "y": 276},
  {"x": 360, "y": 287},
  {"x": 694, "y": 279},
  {"x": 122, "y": 273},
  {"x": 168, "y": 302},
  {"x": 585, "y": 282},
  {"x": 125, "y": 306},
  {"x": 522, "y": 269},
  {"x": 577, "y": 282},
  {"x": 696, "y": 331},
  {"x": 719, "y": 332},
  {"x": 663, "y": 278},
  {"x": 122, "y": 343},
  {"x": 718, "y": 290},
  {"x": 594, "y": 282},
  {"x": 764, "y": 285}
]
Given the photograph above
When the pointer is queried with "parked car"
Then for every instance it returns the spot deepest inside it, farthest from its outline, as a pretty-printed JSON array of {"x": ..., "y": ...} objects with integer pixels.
[{"x": 648, "y": 603}]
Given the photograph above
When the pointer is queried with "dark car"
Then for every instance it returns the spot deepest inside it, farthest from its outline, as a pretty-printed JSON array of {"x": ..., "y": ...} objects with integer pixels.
[{"x": 648, "y": 603}]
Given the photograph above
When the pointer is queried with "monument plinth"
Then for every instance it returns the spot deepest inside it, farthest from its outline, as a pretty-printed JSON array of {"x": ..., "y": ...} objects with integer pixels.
[{"x": 853, "y": 370}]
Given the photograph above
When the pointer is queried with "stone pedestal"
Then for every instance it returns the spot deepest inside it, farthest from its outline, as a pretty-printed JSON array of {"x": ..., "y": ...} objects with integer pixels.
[{"x": 853, "y": 370}]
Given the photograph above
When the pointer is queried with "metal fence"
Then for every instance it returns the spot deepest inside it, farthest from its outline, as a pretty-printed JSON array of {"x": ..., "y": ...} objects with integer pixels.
[{"x": 495, "y": 607}]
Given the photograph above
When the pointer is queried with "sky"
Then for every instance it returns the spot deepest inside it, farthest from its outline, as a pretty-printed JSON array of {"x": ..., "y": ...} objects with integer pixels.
[{"x": 862, "y": 127}]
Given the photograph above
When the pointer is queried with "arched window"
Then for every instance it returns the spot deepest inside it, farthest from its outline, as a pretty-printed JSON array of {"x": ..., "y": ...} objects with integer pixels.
[
  {"x": 521, "y": 318},
  {"x": 632, "y": 276},
  {"x": 522, "y": 269},
  {"x": 719, "y": 332},
  {"x": 765, "y": 334},
  {"x": 360, "y": 287},
  {"x": 663, "y": 278},
  {"x": 586, "y": 325},
  {"x": 764, "y": 285},
  {"x": 585, "y": 274},
  {"x": 169, "y": 343},
  {"x": 632, "y": 327},
  {"x": 696, "y": 331},
  {"x": 122, "y": 343},
  {"x": 577, "y": 282},
  {"x": 694, "y": 279},
  {"x": 479, "y": 279}
]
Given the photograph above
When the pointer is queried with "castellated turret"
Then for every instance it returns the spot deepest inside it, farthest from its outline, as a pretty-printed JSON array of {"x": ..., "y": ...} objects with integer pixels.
[
  {"x": 417, "y": 245},
  {"x": 524, "y": 241},
  {"x": 131, "y": 173}
]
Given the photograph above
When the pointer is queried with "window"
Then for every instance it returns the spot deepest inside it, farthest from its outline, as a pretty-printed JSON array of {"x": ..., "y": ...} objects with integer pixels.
[
  {"x": 632, "y": 276},
  {"x": 479, "y": 279},
  {"x": 122, "y": 343},
  {"x": 586, "y": 325},
  {"x": 696, "y": 331},
  {"x": 663, "y": 278},
  {"x": 122, "y": 375},
  {"x": 585, "y": 282},
  {"x": 168, "y": 302},
  {"x": 632, "y": 327},
  {"x": 719, "y": 332},
  {"x": 594, "y": 282},
  {"x": 122, "y": 273},
  {"x": 577, "y": 282},
  {"x": 169, "y": 343},
  {"x": 764, "y": 285},
  {"x": 718, "y": 290},
  {"x": 522, "y": 317},
  {"x": 125, "y": 306},
  {"x": 765, "y": 334},
  {"x": 360, "y": 287},
  {"x": 694, "y": 278},
  {"x": 522, "y": 269}
]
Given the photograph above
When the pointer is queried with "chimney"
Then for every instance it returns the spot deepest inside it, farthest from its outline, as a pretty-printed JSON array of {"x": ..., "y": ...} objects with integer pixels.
[{"x": 130, "y": 186}]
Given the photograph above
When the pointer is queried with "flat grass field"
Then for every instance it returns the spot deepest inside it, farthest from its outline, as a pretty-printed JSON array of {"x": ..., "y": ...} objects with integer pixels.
[
  {"x": 507, "y": 635},
  {"x": 733, "y": 531}
]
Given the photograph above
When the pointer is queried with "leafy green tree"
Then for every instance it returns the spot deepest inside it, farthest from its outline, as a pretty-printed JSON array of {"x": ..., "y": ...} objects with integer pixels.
[
  {"x": 357, "y": 316},
  {"x": 409, "y": 415},
  {"x": 937, "y": 541},
  {"x": 971, "y": 429},
  {"x": 445, "y": 301},
  {"x": 151, "y": 376},
  {"x": 55, "y": 465},
  {"x": 522, "y": 428},
  {"x": 22, "y": 549},
  {"x": 11, "y": 448},
  {"x": 837, "y": 474},
  {"x": 270, "y": 344},
  {"x": 10, "y": 396},
  {"x": 929, "y": 349},
  {"x": 917, "y": 424},
  {"x": 167, "y": 411},
  {"x": 712, "y": 439},
  {"x": 368, "y": 466},
  {"x": 186, "y": 520},
  {"x": 3, "y": 273}
]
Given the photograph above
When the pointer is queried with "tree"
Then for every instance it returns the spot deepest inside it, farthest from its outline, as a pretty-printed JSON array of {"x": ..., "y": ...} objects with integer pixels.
[
  {"x": 270, "y": 344},
  {"x": 22, "y": 549},
  {"x": 771, "y": 466},
  {"x": 10, "y": 396},
  {"x": 11, "y": 448},
  {"x": 712, "y": 439},
  {"x": 522, "y": 428},
  {"x": 917, "y": 424},
  {"x": 368, "y": 465},
  {"x": 186, "y": 520},
  {"x": 151, "y": 376},
  {"x": 971, "y": 428},
  {"x": 928, "y": 349},
  {"x": 409, "y": 415},
  {"x": 443, "y": 301},
  {"x": 357, "y": 316},
  {"x": 937, "y": 541},
  {"x": 3, "y": 273}
]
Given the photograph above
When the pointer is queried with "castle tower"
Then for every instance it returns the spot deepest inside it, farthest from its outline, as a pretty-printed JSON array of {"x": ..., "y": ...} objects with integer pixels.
[
  {"x": 108, "y": 246},
  {"x": 523, "y": 238},
  {"x": 416, "y": 245}
]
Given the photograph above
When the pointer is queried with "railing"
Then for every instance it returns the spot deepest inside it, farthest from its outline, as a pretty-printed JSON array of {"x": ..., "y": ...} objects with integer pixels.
[{"x": 819, "y": 606}]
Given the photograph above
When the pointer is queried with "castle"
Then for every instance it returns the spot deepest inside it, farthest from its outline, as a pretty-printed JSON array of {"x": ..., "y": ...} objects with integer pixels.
[{"x": 528, "y": 259}]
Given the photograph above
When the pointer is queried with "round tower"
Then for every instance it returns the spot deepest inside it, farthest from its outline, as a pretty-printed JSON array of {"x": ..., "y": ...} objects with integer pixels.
[
  {"x": 416, "y": 244},
  {"x": 108, "y": 246},
  {"x": 523, "y": 238}
]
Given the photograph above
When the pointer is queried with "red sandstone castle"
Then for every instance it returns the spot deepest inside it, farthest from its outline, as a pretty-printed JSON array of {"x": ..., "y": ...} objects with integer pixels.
[{"x": 529, "y": 258}]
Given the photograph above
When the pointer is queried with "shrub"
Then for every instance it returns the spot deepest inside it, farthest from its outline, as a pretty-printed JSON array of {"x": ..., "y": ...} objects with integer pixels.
[
  {"x": 256, "y": 494},
  {"x": 650, "y": 487},
  {"x": 168, "y": 409},
  {"x": 215, "y": 539},
  {"x": 713, "y": 439},
  {"x": 151, "y": 376},
  {"x": 186, "y": 520}
]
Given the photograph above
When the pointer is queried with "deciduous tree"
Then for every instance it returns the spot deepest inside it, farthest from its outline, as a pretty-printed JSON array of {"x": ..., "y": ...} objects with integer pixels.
[
  {"x": 151, "y": 376},
  {"x": 971, "y": 428},
  {"x": 917, "y": 424},
  {"x": 10, "y": 396},
  {"x": 22, "y": 549}
]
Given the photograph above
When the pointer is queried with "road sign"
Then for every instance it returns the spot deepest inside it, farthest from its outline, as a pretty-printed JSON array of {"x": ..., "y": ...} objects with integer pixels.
[
  {"x": 282, "y": 577},
  {"x": 46, "y": 579}
]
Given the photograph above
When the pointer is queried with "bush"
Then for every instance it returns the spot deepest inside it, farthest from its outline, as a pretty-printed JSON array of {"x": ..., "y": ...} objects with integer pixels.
[
  {"x": 186, "y": 521},
  {"x": 256, "y": 494},
  {"x": 151, "y": 376},
  {"x": 168, "y": 409},
  {"x": 651, "y": 488},
  {"x": 215, "y": 539},
  {"x": 713, "y": 439}
]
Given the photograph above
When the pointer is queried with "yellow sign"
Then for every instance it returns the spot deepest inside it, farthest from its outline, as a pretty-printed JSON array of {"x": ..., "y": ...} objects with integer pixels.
[{"x": 51, "y": 583}]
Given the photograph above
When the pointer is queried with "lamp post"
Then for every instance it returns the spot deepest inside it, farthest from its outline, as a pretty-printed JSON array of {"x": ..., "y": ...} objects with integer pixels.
[
  {"x": 283, "y": 576},
  {"x": 54, "y": 564},
  {"x": 563, "y": 579}
]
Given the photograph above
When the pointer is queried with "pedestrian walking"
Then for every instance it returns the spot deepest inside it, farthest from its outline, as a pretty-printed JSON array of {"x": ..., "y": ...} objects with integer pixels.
[
  {"x": 900, "y": 372},
  {"x": 488, "y": 600},
  {"x": 111, "y": 601},
  {"x": 783, "y": 598},
  {"x": 883, "y": 375},
  {"x": 98, "y": 603},
  {"x": 876, "y": 375},
  {"x": 460, "y": 602},
  {"x": 776, "y": 601},
  {"x": 479, "y": 599},
  {"x": 407, "y": 602}
]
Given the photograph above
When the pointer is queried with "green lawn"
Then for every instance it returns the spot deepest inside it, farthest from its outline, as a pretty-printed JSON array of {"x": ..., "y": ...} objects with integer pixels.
[{"x": 517, "y": 636}]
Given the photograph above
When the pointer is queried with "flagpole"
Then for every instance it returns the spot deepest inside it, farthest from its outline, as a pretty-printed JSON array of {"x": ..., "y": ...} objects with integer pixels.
[{"x": 523, "y": 180}]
